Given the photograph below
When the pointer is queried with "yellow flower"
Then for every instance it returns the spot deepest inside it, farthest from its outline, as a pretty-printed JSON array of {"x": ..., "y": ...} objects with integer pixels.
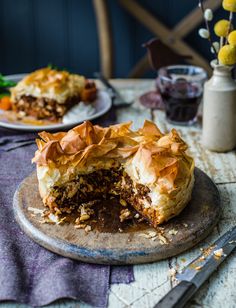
[
  {"x": 229, "y": 5},
  {"x": 222, "y": 28},
  {"x": 227, "y": 55},
  {"x": 232, "y": 38}
]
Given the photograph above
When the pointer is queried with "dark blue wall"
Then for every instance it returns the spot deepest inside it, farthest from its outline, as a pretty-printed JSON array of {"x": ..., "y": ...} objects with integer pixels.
[{"x": 34, "y": 33}]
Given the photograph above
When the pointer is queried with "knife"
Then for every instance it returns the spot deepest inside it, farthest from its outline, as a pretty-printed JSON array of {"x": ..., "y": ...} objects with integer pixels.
[
  {"x": 117, "y": 99},
  {"x": 196, "y": 273}
]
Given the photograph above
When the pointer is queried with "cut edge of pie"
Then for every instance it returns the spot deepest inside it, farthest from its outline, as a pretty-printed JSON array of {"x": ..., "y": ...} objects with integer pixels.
[{"x": 147, "y": 169}]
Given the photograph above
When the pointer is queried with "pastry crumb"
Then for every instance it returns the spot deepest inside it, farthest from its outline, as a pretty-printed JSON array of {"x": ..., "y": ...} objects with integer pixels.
[
  {"x": 35, "y": 210},
  {"x": 149, "y": 234},
  {"x": 173, "y": 232},
  {"x": 172, "y": 272},
  {"x": 162, "y": 239},
  {"x": 80, "y": 226},
  {"x": 198, "y": 268},
  {"x": 218, "y": 253},
  {"x": 88, "y": 228},
  {"x": 84, "y": 217}
]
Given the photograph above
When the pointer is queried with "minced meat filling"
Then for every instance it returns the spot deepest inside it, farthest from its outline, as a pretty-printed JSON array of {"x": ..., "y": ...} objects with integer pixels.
[
  {"x": 43, "y": 108},
  {"x": 100, "y": 185}
]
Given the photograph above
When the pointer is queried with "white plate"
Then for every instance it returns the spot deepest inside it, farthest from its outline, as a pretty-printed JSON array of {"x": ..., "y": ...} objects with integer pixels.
[{"x": 102, "y": 104}]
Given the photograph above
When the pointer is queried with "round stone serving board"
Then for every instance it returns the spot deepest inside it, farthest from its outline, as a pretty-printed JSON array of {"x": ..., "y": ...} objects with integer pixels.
[{"x": 194, "y": 223}]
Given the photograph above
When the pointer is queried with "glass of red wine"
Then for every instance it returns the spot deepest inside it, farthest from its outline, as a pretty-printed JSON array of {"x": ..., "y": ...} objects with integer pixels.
[{"x": 181, "y": 88}]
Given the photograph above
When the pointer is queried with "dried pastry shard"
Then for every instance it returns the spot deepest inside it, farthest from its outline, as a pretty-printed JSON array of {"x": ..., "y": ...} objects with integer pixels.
[{"x": 146, "y": 168}]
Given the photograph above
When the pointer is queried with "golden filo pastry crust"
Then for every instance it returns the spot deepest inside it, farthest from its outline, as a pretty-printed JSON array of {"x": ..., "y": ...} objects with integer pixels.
[{"x": 149, "y": 169}]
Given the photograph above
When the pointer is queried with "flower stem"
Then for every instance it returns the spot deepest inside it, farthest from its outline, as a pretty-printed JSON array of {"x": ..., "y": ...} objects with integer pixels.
[
  {"x": 231, "y": 15},
  {"x": 207, "y": 27},
  {"x": 221, "y": 41}
]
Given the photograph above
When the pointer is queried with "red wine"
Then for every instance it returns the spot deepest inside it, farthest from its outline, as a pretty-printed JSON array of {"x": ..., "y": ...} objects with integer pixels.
[
  {"x": 181, "y": 102},
  {"x": 181, "y": 109}
]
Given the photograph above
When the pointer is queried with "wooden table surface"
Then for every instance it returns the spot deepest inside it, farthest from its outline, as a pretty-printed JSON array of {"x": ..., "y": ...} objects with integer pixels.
[{"x": 152, "y": 281}]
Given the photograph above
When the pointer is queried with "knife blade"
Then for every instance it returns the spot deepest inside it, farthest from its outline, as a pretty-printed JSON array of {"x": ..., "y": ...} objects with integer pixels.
[
  {"x": 117, "y": 99},
  {"x": 196, "y": 273}
]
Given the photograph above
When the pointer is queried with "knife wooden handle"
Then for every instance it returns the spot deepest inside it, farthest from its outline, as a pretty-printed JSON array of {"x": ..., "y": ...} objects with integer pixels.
[{"x": 178, "y": 296}]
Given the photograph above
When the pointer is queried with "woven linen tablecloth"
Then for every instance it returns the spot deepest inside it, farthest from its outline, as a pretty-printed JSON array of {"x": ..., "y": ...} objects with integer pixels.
[{"x": 29, "y": 273}]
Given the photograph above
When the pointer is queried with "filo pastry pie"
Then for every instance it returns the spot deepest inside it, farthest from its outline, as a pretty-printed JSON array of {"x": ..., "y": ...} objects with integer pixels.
[
  {"x": 146, "y": 169},
  {"x": 48, "y": 93}
]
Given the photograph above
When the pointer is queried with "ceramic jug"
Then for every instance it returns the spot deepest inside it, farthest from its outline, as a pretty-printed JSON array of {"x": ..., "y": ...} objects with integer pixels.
[{"x": 219, "y": 110}]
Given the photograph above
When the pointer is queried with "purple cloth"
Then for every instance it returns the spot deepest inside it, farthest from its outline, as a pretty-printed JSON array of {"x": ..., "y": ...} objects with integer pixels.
[{"x": 29, "y": 273}]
